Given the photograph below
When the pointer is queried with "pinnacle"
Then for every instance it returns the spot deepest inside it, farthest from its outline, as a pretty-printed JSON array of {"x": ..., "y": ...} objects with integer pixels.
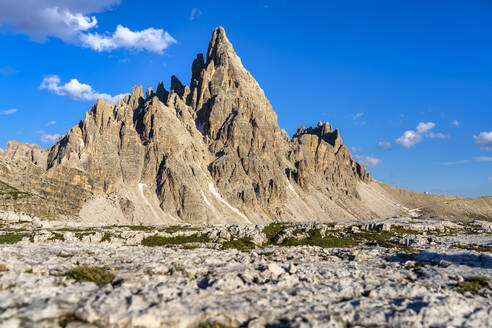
[{"x": 219, "y": 46}]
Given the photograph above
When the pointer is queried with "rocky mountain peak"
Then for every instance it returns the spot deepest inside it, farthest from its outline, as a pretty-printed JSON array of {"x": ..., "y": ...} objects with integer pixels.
[
  {"x": 208, "y": 152},
  {"x": 324, "y": 131},
  {"x": 177, "y": 86},
  {"x": 161, "y": 92},
  {"x": 219, "y": 48}
]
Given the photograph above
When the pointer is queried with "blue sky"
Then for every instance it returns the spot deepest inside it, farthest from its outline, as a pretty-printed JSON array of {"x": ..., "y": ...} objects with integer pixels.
[{"x": 408, "y": 83}]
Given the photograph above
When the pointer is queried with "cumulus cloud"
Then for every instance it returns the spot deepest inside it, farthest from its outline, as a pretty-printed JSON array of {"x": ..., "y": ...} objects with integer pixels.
[
  {"x": 63, "y": 19},
  {"x": 409, "y": 139},
  {"x": 154, "y": 40},
  {"x": 76, "y": 90},
  {"x": 456, "y": 123},
  {"x": 195, "y": 13},
  {"x": 424, "y": 127},
  {"x": 484, "y": 140},
  {"x": 8, "y": 111},
  {"x": 384, "y": 145},
  {"x": 412, "y": 137},
  {"x": 71, "y": 20},
  {"x": 50, "y": 137},
  {"x": 368, "y": 161},
  {"x": 51, "y": 123}
]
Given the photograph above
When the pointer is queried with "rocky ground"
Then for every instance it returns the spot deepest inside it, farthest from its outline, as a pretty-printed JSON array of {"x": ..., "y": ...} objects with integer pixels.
[{"x": 400, "y": 272}]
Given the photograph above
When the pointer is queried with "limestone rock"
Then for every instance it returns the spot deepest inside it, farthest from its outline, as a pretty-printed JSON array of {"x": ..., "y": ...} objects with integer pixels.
[{"x": 210, "y": 152}]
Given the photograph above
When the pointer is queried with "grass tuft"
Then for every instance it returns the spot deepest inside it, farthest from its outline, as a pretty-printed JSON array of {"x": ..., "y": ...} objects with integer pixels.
[
  {"x": 273, "y": 229},
  {"x": 177, "y": 228},
  {"x": 239, "y": 244},
  {"x": 106, "y": 237},
  {"x": 138, "y": 228},
  {"x": 473, "y": 285},
  {"x": 100, "y": 276},
  {"x": 315, "y": 239},
  {"x": 405, "y": 231},
  {"x": 153, "y": 241},
  {"x": 476, "y": 248},
  {"x": 57, "y": 236},
  {"x": 12, "y": 238}
]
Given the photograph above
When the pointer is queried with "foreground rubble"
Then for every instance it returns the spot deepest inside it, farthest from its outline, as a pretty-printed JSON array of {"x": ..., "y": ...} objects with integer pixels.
[{"x": 398, "y": 272}]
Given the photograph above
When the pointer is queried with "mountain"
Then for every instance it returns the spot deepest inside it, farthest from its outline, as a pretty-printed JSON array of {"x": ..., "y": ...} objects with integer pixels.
[{"x": 210, "y": 152}]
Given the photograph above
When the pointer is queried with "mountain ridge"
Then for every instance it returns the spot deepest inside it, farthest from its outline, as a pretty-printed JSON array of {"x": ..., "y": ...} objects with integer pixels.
[{"x": 207, "y": 152}]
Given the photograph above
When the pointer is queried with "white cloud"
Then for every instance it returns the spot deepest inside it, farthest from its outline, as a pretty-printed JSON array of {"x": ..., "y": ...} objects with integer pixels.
[
  {"x": 456, "y": 123},
  {"x": 51, "y": 123},
  {"x": 63, "y": 19},
  {"x": 384, "y": 145},
  {"x": 484, "y": 140},
  {"x": 8, "y": 111},
  {"x": 70, "y": 21},
  {"x": 424, "y": 127},
  {"x": 76, "y": 90},
  {"x": 409, "y": 139},
  {"x": 357, "y": 116},
  {"x": 489, "y": 178},
  {"x": 479, "y": 159},
  {"x": 195, "y": 13},
  {"x": 50, "y": 137},
  {"x": 438, "y": 135},
  {"x": 355, "y": 149},
  {"x": 151, "y": 39},
  {"x": 368, "y": 161},
  {"x": 483, "y": 159}
]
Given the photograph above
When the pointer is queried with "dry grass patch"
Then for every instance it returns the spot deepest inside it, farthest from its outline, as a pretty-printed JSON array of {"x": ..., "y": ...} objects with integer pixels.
[
  {"x": 241, "y": 244},
  {"x": 98, "y": 275},
  {"x": 155, "y": 240},
  {"x": 473, "y": 285}
]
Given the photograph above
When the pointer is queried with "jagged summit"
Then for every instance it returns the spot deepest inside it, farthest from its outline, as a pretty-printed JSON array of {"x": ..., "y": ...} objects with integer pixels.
[
  {"x": 219, "y": 48},
  {"x": 210, "y": 151}
]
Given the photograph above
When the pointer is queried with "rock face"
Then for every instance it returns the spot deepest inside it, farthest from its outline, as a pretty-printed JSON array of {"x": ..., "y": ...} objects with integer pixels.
[{"x": 209, "y": 152}]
